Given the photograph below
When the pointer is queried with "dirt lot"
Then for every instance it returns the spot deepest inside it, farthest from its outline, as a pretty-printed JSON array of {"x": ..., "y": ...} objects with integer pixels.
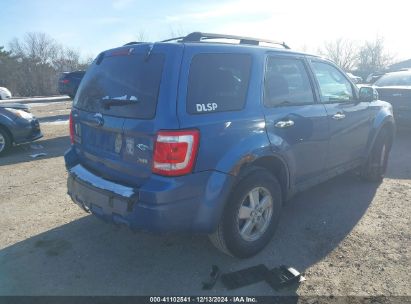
[{"x": 347, "y": 236}]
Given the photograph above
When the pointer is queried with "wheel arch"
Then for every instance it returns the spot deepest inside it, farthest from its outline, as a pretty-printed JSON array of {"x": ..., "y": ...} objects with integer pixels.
[
  {"x": 385, "y": 123},
  {"x": 275, "y": 165},
  {"x": 7, "y": 130}
]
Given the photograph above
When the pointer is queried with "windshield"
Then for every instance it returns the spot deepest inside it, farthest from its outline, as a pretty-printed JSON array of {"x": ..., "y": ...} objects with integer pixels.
[
  {"x": 132, "y": 78},
  {"x": 394, "y": 79}
]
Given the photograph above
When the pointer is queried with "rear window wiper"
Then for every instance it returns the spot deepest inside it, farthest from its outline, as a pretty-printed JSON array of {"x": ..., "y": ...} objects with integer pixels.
[{"x": 107, "y": 103}]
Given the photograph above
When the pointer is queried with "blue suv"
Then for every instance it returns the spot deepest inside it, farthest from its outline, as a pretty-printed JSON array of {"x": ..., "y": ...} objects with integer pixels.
[{"x": 212, "y": 134}]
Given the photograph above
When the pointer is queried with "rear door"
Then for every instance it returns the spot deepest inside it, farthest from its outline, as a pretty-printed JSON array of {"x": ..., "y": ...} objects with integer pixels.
[
  {"x": 295, "y": 122},
  {"x": 349, "y": 119},
  {"x": 114, "y": 112}
]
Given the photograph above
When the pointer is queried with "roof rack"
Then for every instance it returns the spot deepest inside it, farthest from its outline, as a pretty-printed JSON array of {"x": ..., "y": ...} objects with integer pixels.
[{"x": 198, "y": 36}]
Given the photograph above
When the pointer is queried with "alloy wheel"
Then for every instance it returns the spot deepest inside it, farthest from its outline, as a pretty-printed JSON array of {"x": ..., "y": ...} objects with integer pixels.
[
  {"x": 255, "y": 213},
  {"x": 2, "y": 142}
]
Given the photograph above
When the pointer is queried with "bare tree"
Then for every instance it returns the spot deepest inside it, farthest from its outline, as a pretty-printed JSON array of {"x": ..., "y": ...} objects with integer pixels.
[
  {"x": 141, "y": 36},
  {"x": 343, "y": 52},
  {"x": 38, "y": 60},
  {"x": 177, "y": 32},
  {"x": 37, "y": 46},
  {"x": 373, "y": 57}
]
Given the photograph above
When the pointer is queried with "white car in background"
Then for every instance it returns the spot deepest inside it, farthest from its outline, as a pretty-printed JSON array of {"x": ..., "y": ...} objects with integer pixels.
[
  {"x": 355, "y": 79},
  {"x": 4, "y": 93}
]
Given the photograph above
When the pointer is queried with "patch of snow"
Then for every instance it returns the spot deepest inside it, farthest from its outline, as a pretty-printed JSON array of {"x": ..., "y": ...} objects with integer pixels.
[
  {"x": 44, "y": 104},
  {"x": 101, "y": 183},
  {"x": 37, "y": 155},
  {"x": 56, "y": 122}
]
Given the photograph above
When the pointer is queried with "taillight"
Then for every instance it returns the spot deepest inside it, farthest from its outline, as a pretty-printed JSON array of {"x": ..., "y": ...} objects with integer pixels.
[
  {"x": 66, "y": 81},
  {"x": 175, "y": 152},
  {"x": 71, "y": 125}
]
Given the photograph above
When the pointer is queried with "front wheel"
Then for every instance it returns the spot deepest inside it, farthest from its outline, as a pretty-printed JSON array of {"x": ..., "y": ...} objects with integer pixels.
[
  {"x": 5, "y": 141},
  {"x": 376, "y": 165},
  {"x": 251, "y": 215}
]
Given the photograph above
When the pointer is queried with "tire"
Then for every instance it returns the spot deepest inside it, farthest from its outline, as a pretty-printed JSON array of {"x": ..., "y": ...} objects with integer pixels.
[
  {"x": 5, "y": 141},
  {"x": 263, "y": 222},
  {"x": 376, "y": 165}
]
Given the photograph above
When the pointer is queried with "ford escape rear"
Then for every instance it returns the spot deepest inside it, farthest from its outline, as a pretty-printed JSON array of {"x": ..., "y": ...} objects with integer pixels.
[{"x": 196, "y": 135}]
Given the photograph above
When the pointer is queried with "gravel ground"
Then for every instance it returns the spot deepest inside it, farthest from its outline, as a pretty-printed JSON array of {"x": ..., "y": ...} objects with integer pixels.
[{"x": 348, "y": 237}]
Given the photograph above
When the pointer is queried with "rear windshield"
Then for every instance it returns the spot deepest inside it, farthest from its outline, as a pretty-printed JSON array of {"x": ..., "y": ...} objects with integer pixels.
[
  {"x": 395, "y": 79},
  {"x": 129, "y": 81},
  {"x": 218, "y": 82}
]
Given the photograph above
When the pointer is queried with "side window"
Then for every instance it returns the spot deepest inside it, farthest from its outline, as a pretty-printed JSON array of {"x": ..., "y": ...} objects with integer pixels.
[
  {"x": 286, "y": 82},
  {"x": 218, "y": 82},
  {"x": 334, "y": 87}
]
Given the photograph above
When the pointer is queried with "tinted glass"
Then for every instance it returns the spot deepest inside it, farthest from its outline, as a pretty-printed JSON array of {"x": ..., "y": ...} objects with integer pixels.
[
  {"x": 334, "y": 87},
  {"x": 286, "y": 82},
  {"x": 394, "y": 79},
  {"x": 218, "y": 82},
  {"x": 131, "y": 78}
]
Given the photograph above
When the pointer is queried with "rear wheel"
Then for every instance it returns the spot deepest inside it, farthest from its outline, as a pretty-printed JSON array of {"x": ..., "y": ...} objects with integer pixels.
[
  {"x": 5, "y": 141},
  {"x": 250, "y": 216},
  {"x": 376, "y": 165}
]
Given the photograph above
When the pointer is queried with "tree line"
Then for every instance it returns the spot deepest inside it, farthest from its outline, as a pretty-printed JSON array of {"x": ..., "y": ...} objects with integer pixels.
[
  {"x": 31, "y": 66},
  {"x": 360, "y": 58}
]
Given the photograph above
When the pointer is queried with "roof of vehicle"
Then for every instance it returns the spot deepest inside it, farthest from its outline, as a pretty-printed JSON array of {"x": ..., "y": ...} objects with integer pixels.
[
  {"x": 66, "y": 73},
  {"x": 197, "y": 39},
  {"x": 401, "y": 72}
]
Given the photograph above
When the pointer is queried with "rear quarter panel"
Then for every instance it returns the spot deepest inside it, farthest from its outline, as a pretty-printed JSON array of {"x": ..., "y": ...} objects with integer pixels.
[{"x": 227, "y": 139}]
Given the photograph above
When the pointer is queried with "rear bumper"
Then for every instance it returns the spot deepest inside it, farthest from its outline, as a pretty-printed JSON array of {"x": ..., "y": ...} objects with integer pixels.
[{"x": 191, "y": 203}]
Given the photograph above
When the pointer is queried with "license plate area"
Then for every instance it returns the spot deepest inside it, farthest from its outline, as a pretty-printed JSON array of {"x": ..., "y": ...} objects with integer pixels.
[{"x": 101, "y": 201}]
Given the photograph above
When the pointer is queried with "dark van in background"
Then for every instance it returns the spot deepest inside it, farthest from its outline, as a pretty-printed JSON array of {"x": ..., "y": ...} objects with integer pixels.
[{"x": 69, "y": 81}]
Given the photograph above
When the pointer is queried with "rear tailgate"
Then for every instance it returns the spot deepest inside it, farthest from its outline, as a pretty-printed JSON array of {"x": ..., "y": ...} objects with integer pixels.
[
  {"x": 117, "y": 112},
  {"x": 400, "y": 98}
]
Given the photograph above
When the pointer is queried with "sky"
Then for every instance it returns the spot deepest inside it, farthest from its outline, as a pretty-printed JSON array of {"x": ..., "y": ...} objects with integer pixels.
[{"x": 91, "y": 26}]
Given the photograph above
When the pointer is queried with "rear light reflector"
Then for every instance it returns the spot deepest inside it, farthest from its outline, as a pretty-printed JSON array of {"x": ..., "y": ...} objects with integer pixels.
[
  {"x": 175, "y": 152},
  {"x": 71, "y": 126},
  {"x": 65, "y": 81}
]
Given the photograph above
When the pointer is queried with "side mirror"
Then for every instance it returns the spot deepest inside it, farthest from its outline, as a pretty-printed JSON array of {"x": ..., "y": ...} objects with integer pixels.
[{"x": 368, "y": 94}]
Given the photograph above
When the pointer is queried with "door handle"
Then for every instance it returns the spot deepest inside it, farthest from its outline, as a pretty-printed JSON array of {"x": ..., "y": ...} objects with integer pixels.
[
  {"x": 339, "y": 116},
  {"x": 284, "y": 124}
]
